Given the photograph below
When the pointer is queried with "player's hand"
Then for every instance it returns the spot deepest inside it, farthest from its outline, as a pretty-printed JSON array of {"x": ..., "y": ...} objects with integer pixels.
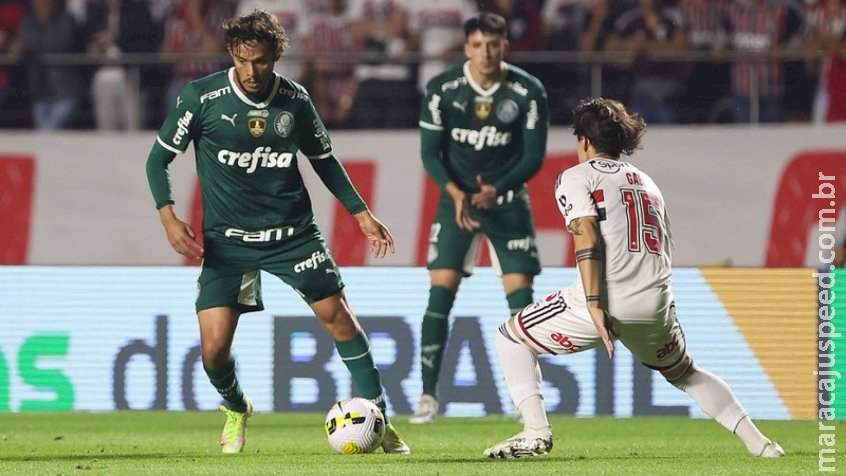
[
  {"x": 462, "y": 214},
  {"x": 182, "y": 238},
  {"x": 486, "y": 198},
  {"x": 604, "y": 326},
  {"x": 379, "y": 239}
]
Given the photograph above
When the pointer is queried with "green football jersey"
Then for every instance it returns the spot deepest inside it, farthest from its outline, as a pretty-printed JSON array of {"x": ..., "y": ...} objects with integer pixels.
[
  {"x": 246, "y": 154},
  {"x": 486, "y": 132}
]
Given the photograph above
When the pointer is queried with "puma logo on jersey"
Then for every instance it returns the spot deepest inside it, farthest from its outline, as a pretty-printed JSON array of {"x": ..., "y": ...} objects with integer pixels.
[
  {"x": 261, "y": 157},
  {"x": 460, "y": 105},
  {"x": 487, "y": 136},
  {"x": 230, "y": 119}
]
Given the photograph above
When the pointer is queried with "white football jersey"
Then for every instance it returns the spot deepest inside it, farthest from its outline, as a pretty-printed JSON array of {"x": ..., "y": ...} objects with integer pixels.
[{"x": 635, "y": 228}]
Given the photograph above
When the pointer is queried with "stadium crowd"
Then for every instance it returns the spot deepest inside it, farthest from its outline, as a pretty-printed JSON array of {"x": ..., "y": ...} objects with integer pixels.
[{"x": 783, "y": 59}]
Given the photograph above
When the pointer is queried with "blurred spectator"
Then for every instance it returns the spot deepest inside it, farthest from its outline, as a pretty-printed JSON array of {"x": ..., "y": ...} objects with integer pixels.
[
  {"x": 11, "y": 14},
  {"x": 195, "y": 27},
  {"x": 382, "y": 27},
  {"x": 706, "y": 93},
  {"x": 54, "y": 90},
  {"x": 523, "y": 23},
  {"x": 758, "y": 27},
  {"x": 655, "y": 85},
  {"x": 571, "y": 25},
  {"x": 331, "y": 83},
  {"x": 825, "y": 30},
  {"x": 114, "y": 27},
  {"x": 437, "y": 31}
]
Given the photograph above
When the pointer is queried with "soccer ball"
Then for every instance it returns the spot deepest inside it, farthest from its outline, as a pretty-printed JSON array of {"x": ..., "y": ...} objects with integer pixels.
[{"x": 354, "y": 426}]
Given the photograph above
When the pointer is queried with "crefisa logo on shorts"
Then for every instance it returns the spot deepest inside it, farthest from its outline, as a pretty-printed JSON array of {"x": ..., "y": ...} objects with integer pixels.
[{"x": 311, "y": 263}]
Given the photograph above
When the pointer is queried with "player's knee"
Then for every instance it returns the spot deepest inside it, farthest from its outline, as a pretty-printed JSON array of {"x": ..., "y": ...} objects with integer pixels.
[
  {"x": 215, "y": 353},
  {"x": 340, "y": 324},
  {"x": 678, "y": 373}
]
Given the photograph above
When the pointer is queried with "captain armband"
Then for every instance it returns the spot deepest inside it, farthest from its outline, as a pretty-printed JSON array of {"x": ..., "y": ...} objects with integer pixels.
[{"x": 594, "y": 253}]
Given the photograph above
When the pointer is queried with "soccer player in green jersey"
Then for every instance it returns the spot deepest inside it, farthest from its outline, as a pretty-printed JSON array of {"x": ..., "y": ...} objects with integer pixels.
[
  {"x": 247, "y": 124},
  {"x": 483, "y": 128}
]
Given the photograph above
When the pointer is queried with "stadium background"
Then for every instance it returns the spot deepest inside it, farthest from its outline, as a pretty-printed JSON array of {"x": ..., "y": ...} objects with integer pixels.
[{"x": 79, "y": 333}]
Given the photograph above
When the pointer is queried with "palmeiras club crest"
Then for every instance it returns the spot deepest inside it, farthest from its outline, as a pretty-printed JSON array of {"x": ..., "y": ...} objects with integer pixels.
[
  {"x": 257, "y": 122},
  {"x": 284, "y": 124}
]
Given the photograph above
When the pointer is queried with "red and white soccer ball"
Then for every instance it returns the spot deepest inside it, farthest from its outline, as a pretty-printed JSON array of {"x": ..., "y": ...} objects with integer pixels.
[{"x": 354, "y": 426}]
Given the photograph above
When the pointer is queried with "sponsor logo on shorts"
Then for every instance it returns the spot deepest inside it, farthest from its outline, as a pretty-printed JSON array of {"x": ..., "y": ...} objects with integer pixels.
[
  {"x": 564, "y": 342},
  {"x": 524, "y": 244},
  {"x": 273, "y": 234},
  {"x": 312, "y": 262},
  {"x": 261, "y": 157},
  {"x": 668, "y": 348}
]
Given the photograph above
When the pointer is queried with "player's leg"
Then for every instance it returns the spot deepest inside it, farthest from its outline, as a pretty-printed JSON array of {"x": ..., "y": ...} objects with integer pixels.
[
  {"x": 549, "y": 326},
  {"x": 662, "y": 347},
  {"x": 228, "y": 286},
  {"x": 510, "y": 230},
  {"x": 307, "y": 266},
  {"x": 354, "y": 348},
  {"x": 434, "y": 333},
  {"x": 452, "y": 253}
]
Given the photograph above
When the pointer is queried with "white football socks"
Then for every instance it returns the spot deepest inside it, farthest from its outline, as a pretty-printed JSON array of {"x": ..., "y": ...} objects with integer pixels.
[
  {"x": 714, "y": 397},
  {"x": 523, "y": 378}
]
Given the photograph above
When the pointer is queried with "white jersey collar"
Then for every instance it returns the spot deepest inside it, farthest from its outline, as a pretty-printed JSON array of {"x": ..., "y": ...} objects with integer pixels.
[
  {"x": 473, "y": 84},
  {"x": 233, "y": 81}
]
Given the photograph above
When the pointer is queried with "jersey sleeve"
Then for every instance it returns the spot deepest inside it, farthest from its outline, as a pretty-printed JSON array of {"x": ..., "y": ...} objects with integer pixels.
[
  {"x": 431, "y": 135},
  {"x": 182, "y": 122},
  {"x": 535, "y": 131},
  {"x": 574, "y": 197},
  {"x": 310, "y": 133}
]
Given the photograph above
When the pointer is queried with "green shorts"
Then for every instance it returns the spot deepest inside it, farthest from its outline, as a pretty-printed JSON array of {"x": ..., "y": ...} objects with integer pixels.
[
  {"x": 230, "y": 275},
  {"x": 509, "y": 227}
]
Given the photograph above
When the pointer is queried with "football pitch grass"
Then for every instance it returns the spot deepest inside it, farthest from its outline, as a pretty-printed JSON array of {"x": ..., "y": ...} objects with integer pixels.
[{"x": 182, "y": 443}]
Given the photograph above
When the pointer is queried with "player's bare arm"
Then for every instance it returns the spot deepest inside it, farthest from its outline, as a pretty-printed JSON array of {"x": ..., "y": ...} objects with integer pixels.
[
  {"x": 590, "y": 258},
  {"x": 379, "y": 238},
  {"x": 462, "y": 207},
  {"x": 180, "y": 234}
]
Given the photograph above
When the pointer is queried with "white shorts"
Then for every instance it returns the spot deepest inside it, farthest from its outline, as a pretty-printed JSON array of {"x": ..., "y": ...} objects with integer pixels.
[{"x": 560, "y": 324}]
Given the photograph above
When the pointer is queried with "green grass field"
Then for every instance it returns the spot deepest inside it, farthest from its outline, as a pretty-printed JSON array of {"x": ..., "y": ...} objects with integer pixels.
[{"x": 186, "y": 443}]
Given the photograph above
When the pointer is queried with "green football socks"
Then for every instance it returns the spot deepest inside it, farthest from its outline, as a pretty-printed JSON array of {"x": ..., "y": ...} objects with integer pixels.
[
  {"x": 519, "y": 299},
  {"x": 225, "y": 380},
  {"x": 356, "y": 355},
  {"x": 435, "y": 331}
]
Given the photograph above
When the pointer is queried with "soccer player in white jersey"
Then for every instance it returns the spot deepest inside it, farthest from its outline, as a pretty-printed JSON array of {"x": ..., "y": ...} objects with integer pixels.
[{"x": 621, "y": 236}]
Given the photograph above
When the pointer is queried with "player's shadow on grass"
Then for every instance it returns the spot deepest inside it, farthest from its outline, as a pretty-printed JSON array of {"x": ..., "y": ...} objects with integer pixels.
[{"x": 82, "y": 457}]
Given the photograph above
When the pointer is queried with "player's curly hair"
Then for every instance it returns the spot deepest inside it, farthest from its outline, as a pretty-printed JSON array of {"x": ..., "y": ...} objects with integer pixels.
[
  {"x": 257, "y": 26},
  {"x": 609, "y": 127}
]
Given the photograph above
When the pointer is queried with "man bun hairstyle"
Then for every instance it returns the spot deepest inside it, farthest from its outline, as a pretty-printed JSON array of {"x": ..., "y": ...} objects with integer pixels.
[
  {"x": 609, "y": 127},
  {"x": 258, "y": 26},
  {"x": 489, "y": 23}
]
